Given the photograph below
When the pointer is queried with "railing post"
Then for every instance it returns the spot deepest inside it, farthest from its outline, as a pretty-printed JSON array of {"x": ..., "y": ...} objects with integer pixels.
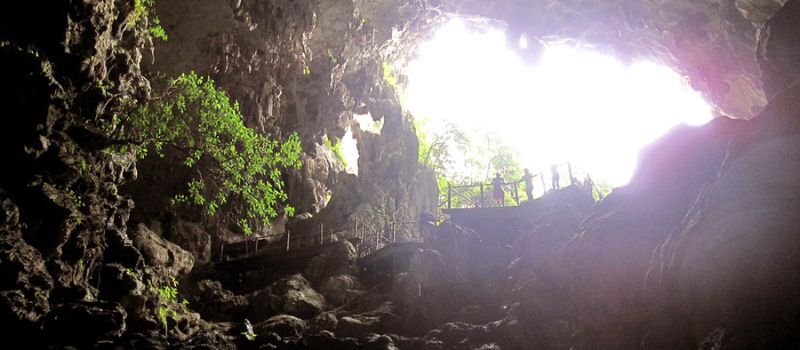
[
  {"x": 449, "y": 196},
  {"x": 544, "y": 186},
  {"x": 221, "y": 251},
  {"x": 482, "y": 202},
  {"x": 569, "y": 169},
  {"x": 321, "y": 233},
  {"x": 288, "y": 234}
]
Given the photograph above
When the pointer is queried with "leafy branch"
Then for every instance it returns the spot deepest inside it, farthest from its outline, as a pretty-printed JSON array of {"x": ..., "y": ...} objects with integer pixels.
[{"x": 198, "y": 121}]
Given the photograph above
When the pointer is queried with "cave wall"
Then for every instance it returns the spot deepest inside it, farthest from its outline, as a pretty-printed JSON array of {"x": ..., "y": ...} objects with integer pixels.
[
  {"x": 308, "y": 66},
  {"x": 64, "y": 68}
]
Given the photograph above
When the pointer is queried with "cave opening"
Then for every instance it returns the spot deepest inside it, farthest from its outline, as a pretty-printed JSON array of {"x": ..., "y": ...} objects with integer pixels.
[{"x": 499, "y": 111}]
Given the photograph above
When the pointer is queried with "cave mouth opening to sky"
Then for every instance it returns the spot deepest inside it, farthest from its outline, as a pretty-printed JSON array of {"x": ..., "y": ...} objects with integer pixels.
[{"x": 574, "y": 105}]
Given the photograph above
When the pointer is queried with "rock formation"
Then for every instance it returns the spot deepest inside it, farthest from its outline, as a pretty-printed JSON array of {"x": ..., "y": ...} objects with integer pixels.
[{"x": 698, "y": 251}]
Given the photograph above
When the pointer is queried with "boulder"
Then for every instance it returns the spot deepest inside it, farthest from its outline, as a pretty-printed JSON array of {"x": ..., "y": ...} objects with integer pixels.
[
  {"x": 378, "y": 342},
  {"x": 282, "y": 325},
  {"x": 193, "y": 238},
  {"x": 159, "y": 252},
  {"x": 381, "y": 320},
  {"x": 340, "y": 289},
  {"x": 339, "y": 259},
  {"x": 217, "y": 303},
  {"x": 84, "y": 323},
  {"x": 327, "y": 340},
  {"x": 326, "y": 321},
  {"x": 292, "y": 295}
]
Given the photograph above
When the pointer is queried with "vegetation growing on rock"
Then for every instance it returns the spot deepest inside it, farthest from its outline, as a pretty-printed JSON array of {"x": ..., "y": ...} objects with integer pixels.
[{"x": 195, "y": 119}]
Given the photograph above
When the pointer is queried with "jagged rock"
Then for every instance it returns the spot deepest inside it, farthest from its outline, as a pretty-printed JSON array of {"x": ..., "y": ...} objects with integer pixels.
[
  {"x": 608, "y": 259},
  {"x": 119, "y": 283},
  {"x": 340, "y": 289},
  {"x": 327, "y": 340},
  {"x": 292, "y": 295},
  {"x": 121, "y": 250},
  {"x": 339, "y": 259},
  {"x": 24, "y": 281},
  {"x": 508, "y": 333},
  {"x": 282, "y": 325},
  {"x": 778, "y": 49},
  {"x": 85, "y": 323},
  {"x": 380, "y": 320},
  {"x": 217, "y": 303},
  {"x": 378, "y": 342},
  {"x": 734, "y": 258},
  {"x": 326, "y": 321},
  {"x": 193, "y": 238},
  {"x": 432, "y": 290},
  {"x": 159, "y": 252}
]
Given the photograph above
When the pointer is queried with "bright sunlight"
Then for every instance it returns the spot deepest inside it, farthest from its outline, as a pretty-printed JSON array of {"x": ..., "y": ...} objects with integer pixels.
[{"x": 575, "y": 105}]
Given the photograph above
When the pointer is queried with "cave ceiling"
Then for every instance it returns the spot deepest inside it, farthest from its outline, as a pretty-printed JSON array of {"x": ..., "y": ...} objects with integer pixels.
[
  {"x": 343, "y": 44},
  {"x": 712, "y": 42}
]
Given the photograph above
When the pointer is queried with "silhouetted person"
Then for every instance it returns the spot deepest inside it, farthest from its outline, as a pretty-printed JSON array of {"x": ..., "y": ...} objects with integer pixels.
[
  {"x": 528, "y": 179},
  {"x": 497, "y": 192},
  {"x": 554, "y": 175}
]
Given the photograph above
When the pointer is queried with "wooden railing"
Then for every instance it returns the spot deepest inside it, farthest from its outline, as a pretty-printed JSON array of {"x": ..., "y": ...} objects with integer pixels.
[
  {"x": 367, "y": 240},
  {"x": 370, "y": 239},
  {"x": 480, "y": 195}
]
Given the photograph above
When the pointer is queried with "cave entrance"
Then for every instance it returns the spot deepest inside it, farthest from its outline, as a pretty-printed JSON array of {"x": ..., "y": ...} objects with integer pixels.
[{"x": 468, "y": 90}]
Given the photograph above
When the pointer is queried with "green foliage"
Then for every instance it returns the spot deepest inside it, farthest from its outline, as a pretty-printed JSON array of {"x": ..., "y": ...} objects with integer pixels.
[
  {"x": 458, "y": 159},
  {"x": 336, "y": 148},
  {"x": 146, "y": 9},
  {"x": 388, "y": 75},
  {"x": 603, "y": 187},
  {"x": 306, "y": 70},
  {"x": 332, "y": 57},
  {"x": 167, "y": 300},
  {"x": 229, "y": 160}
]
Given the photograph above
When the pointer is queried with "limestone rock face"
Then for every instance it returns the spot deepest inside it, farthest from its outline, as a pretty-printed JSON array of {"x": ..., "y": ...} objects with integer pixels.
[
  {"x": 217, "y": 303},
  {"x": 25, "y": 281},
  {"x": 699, "y": 240},
  {"x": 734, "y": 257},
  {"x": 85, "y": 323},
  {"x": 778, "y": 49},
  {"x": 62, "y": 71},
  {"x": 159, "y": 252},
  {"x": 193, "y": 238}
]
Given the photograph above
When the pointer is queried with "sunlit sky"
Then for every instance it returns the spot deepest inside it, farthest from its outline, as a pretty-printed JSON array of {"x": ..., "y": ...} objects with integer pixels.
[{"x": 575, "y": 105}]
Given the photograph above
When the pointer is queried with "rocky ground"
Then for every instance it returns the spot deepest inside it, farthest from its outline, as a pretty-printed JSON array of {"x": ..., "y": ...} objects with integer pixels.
[{"x": 699, "y": 251}]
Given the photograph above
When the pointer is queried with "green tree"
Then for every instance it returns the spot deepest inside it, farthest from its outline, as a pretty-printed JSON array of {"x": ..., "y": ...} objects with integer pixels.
[{"x": 232, "y": 164}]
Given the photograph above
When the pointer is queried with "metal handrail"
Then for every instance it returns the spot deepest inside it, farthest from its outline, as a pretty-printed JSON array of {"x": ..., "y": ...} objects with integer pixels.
[
  {"x": 456, "y": 190},
  {"x": 370, "y": 239}
]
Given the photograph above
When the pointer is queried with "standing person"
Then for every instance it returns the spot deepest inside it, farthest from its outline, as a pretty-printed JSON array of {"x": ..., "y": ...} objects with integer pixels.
[
  {"x": 497, "y": 192},
  {"x": 528, "y": 179},
  {"x": 554, "y": 175}
]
